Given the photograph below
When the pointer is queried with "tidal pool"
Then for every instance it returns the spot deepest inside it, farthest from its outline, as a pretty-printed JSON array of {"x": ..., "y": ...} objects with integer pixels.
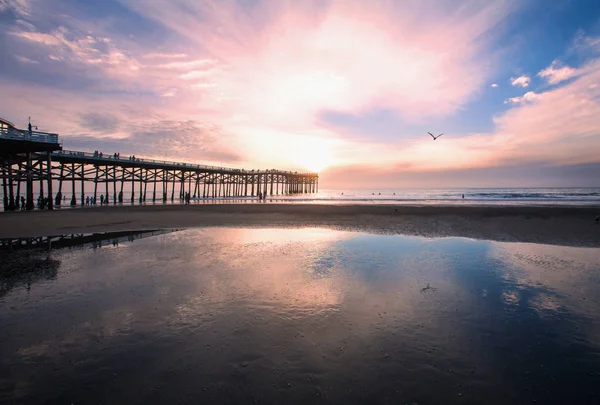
[{"x": 282, "y": 316}]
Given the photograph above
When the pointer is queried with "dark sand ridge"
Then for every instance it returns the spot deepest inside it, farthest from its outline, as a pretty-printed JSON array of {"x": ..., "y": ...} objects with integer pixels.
[{"x": 572, "y": 226}]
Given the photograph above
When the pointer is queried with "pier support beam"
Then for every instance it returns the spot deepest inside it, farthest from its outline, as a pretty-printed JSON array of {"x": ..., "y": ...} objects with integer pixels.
[
  {"x": 49, "y": 162},
  {"x": 29, "y": 170},
  {"x": 5, "y": 189}
]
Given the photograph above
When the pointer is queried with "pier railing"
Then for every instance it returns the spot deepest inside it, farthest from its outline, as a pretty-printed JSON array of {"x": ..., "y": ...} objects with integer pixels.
[
  {"x": 32, "y": 136},
  {"x": 179, "y": 165}
]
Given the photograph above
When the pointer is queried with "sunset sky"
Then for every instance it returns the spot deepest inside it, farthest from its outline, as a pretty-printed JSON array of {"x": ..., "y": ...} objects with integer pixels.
[{"x": 347, "y": 88}]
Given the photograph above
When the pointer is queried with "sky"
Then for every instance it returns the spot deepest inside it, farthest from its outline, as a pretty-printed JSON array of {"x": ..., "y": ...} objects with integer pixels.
[{"x": 346, "y": 88}]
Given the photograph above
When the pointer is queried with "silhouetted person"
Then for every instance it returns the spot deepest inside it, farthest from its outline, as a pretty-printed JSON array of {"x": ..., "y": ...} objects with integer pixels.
[
  {"x": 101, "y": 199},
  {"x": 463, "y": 196},
  {"x": 22, "y": 203}
]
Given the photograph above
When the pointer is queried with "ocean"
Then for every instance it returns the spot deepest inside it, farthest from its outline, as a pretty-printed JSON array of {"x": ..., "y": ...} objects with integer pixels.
[
  {"x": 426, "y": 196},
  {"x": 499, "y": 196}
]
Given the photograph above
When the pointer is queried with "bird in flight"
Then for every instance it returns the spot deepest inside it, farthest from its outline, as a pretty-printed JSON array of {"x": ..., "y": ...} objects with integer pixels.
[{"x": 435, "y": 137}]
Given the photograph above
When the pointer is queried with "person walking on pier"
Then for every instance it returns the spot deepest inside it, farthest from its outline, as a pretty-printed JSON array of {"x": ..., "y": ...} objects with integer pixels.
[{"x": 101, "y": 199}]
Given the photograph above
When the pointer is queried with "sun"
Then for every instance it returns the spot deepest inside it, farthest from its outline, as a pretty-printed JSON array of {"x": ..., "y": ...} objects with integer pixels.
[{"x": 314, "y": 160}]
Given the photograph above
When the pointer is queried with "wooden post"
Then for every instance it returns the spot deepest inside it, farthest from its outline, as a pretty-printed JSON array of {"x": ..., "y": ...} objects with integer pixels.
[
  {"x": 73, "y": 199},
  {"x": 29, "y": 173},
  {"x": 266, "y": 179},
  {"x": 96, "y": 184},
  {"x": 154, "y": 188},
  {"x": 190, "y": 183},
  {"x": 132, "y": 184},
  {"x": 165, "y": 185},
  {"x": 59, "y": 197},
  {"x": 82, "y": 185},
  {"x": 18, "y": 195},
  {"x": 114, "y": 185},
  {"x": 107, "y": 196},
  {"x": 271, "y": 191},
  {"x": 11, "y": 195},
  {"x": 173, "y": 189},
  {"x": 41, "y": 164},
  {"x": 49, "y": 163},
  {"x": 122, "y": 184},
  {"x": 141, "y": 198},
  {"x": 5, "y": 189}
]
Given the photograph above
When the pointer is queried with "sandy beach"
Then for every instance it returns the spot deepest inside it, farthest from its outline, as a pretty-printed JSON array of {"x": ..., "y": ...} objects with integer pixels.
[{"x": 569, "y": 226}]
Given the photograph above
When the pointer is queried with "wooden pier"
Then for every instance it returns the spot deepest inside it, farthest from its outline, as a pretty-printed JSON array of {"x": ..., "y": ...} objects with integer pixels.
[{"x": 31, "y": 159}]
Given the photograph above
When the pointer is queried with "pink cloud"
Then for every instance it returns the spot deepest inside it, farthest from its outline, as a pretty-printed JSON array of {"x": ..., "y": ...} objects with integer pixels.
[
  {"x": 64, "y": 45},
  {"x": 556, "y": 73},
  {"x": 522, "y": 81},
  {"x": 528, "y": 97}
]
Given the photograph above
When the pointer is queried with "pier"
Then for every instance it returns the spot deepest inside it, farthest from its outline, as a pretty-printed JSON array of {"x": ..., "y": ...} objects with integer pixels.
[{"x": 32, "y": 159}]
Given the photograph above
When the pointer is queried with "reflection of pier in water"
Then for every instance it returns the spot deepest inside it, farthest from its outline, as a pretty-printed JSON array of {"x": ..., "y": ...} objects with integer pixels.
[
  {"x": 94, "y": 240},
  {"x": 25, "y": 260}
]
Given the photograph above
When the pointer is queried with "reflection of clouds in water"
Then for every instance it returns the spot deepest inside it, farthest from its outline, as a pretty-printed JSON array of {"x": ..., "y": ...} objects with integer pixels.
[
  {"x": 545, "y": 302},
  {"x": 259, "y": 305},
  {"x": 298, "y": 273},
  {"x": 570, "y": 273},
  {"x": 563, "y": 278},
  {"x": 511, "y": 297},
  {"x": 274, "y": 236}
]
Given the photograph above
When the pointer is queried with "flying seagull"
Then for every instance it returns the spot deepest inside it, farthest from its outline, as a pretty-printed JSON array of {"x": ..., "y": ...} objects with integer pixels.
[{"x": 435, "y": 137}]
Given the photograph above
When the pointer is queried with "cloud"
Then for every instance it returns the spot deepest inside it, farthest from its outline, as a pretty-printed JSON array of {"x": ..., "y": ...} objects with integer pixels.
[
  {"x": 528, "y": 97},
  {"x": 100, "y": 122},
  {"x": 182, "y": 140},
  {"x": 522, "y": 81},
  {"x": 494, "y": 85},
  {"x": 21, "y": 8},
  {"x": 26, "y": 60},
  {"x": 556, "y": 73},
  {"x": 165, "y": 55},
  {"x": 185, "y": 65},
  {"x": 76, "y": 47},
  {"x": 583, "y": 43},
  {"x": 291, "y": 61}
]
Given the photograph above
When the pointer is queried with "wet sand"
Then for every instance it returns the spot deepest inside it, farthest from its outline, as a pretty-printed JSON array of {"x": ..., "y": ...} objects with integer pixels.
[
  {"x": 299, "y": 316},
  {"x": 569, "y": 226}
]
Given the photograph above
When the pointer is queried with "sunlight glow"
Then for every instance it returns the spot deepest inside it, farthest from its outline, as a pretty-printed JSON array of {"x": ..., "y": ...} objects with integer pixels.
[{"x": 313, "y": 159}]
